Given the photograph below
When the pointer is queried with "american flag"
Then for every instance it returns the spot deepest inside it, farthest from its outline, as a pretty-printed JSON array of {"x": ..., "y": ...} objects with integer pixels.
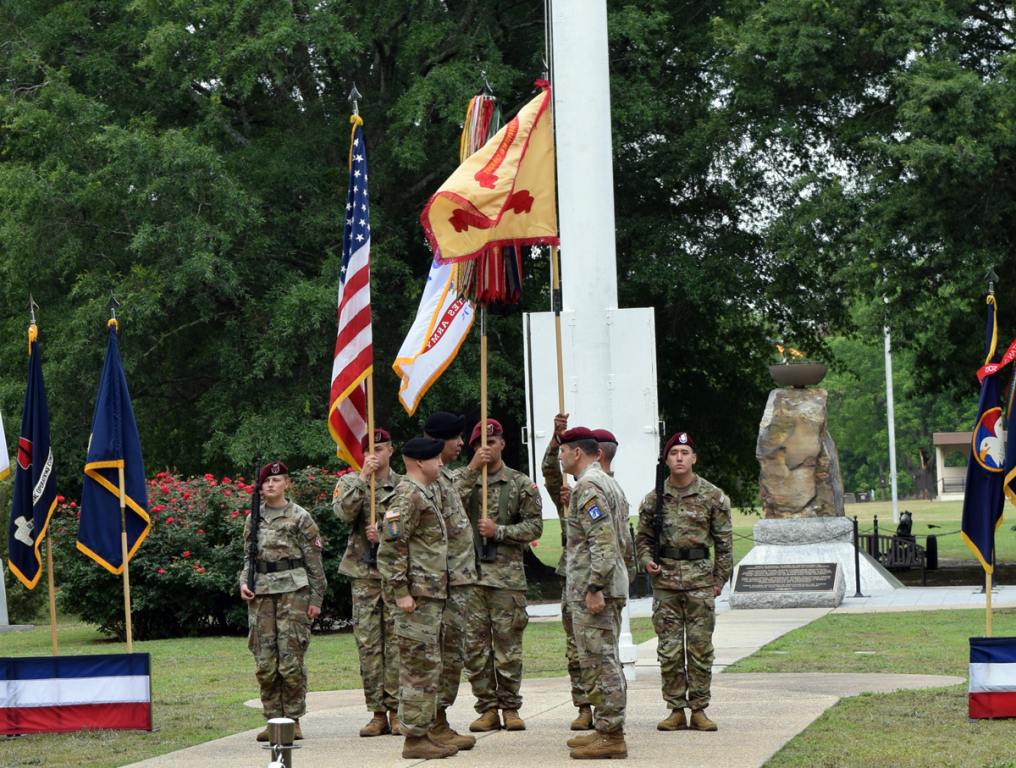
[{"x": 354, "y": 348}]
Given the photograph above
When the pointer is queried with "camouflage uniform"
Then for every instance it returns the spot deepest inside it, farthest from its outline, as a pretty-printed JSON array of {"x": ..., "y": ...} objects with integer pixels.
[
  {"x": 461, "y": 577},
  {"x": 373, "y": 621},
  {"x": 684, "y": 611},
  {"x": 594, "y": 555},
  {"x": 277, "y": 616},
  {"x": 553, "y": 479},
  {"x": 497, "y": 604},
  {"x": 413, "y": 560}
]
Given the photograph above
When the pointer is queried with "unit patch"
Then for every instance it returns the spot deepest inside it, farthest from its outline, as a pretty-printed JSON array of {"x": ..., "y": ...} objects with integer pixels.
[{"x": 593, "y": 509}]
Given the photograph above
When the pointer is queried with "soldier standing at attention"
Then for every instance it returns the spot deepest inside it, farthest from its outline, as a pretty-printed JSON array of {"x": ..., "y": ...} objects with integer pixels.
[
  {"x": 413, "y": 560},
  {"x": 560, "y": 493},
  {"x": 288, "y": 589},
  {"x": 685, "y": 546},
  {"x": 596, "y": 590},
  {"x": 373, "y": 622},
  {"x": 497, "y": 604},
  {"x": 447, "y": 427}
]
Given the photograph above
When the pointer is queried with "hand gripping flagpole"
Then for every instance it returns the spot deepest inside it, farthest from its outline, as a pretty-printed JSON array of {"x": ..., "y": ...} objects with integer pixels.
[
  {"x": 33, "y": 334},
  {"x": 114, "y": 325}
]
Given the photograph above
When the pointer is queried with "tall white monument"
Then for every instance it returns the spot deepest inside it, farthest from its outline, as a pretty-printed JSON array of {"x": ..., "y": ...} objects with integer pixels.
[{"x": 609, "y": 353}]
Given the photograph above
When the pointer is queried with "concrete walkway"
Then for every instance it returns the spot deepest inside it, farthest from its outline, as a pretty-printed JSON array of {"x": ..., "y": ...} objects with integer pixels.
[{"x": 757, "y": 713}]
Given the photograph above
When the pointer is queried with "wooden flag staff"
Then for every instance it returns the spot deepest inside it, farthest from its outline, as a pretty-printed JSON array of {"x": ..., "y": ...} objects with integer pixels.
[
  {"x": 555, "y": 299},
  {"x": 483, "y": 411},
  {"x": 128, "y": 626},
  {"x": 126, "y": 564},
  {"x": 50, "y": 580},
  {"x": 52, "y": 595}
]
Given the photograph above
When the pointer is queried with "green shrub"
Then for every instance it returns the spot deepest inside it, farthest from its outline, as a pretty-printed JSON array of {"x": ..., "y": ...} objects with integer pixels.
[{"x": 184, "y": 579}]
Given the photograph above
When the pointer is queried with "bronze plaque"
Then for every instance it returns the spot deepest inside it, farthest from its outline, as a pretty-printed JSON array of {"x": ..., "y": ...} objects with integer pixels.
[{"x": 786, "y": 577}]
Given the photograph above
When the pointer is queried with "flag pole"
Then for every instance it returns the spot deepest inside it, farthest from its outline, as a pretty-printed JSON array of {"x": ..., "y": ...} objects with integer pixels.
[
  {"x": 987, "y": 604},
  {"x": 126, "y": 564},
  {"x": 114, "y": 325},
  {"x": 52, "y": 595},
  {"x": 555, "y": 294},
  {"x": 483, "y": 407},
  {"x": 370, "y": 446}
]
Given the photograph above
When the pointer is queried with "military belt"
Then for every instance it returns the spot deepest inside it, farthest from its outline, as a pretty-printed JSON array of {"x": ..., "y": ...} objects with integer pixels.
[
  {"x": 685, "y": 553},
  {"x": 279, "y": 565}
]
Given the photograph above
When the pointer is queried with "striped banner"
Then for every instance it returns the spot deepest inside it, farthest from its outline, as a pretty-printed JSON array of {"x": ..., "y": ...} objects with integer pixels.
[
  {"x": 992, "y": 691},
  {"x": 55, "y": 694}
]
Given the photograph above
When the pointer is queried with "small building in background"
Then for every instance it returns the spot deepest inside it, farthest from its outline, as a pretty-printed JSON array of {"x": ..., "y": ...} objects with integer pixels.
[{"x": 950, "y": 480}]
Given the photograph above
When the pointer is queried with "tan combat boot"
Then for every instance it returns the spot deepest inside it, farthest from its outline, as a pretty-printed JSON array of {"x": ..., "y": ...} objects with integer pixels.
[
  {"x": 443, "y": 733},
  {"x": 378, "y": 725},
  {"x": 425, "y": 748},
  {"x": 584, "y": 721},
  {"x": 488, "y": 721},
  {"x": 512, "y": 721},
  {"x": 584, "y": 740},
  {"x": 608, "y": 746},
  {"x": 263, "y": 736},
  {"x": 675, "y": 721},
  {"x": 393, "y": 721},
  {"x": 699, "y": 721},
  {"x": 297, "y": 733}
]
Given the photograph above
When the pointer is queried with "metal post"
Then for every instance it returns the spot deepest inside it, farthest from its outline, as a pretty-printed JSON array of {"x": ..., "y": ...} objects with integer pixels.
[
  {"x": 890, "y": 416},
  {"x": 281, "y": 733},
  {"x": 857, "y": 560},
  {"x": 873, "y": 542}
]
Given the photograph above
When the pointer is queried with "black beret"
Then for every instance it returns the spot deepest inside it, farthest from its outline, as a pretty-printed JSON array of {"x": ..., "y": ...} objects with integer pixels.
[
  {"x": 423, "y": 448},
  {"x": 444, "y": 425}
]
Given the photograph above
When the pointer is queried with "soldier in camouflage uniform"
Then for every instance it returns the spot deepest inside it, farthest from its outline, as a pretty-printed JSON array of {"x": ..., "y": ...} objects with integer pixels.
[
  {"x": 596, "y": 590},
  {"x": 413, "y": 560},
  {"x": 560, "y": 493},
  {"x": 497, "y": 604},
  {"x": 689, "y": 564},
  {"x": 373, "y": 622},
  {"x": 288, "y": 589},
  {"x": 447, "y": 427}
]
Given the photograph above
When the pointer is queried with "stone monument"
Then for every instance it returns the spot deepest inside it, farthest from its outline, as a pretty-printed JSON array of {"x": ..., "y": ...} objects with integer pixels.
[{"x": 804, "y": 553}]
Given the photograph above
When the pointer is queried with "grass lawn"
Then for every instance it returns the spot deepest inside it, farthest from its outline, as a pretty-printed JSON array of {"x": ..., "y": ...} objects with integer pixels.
[
  {"x": 945, "y": 515},
  {"x": 199, "y": 686},
  {"x": 908, "y": 729}
]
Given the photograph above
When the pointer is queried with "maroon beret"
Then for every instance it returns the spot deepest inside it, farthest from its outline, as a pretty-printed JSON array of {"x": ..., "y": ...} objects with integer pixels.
[
  {"x": 380, "y": 436},
  {"x": 604, "y": 436},
  {"x": 493, "y": 428},
  {"x": 576, "y": 433},
  {"x": 679, "y": 438},
  {"x": 271, "y": 470}
]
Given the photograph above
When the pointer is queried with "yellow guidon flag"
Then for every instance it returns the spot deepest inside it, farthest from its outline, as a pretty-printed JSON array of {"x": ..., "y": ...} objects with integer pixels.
[{"x": 504, "y": 193}]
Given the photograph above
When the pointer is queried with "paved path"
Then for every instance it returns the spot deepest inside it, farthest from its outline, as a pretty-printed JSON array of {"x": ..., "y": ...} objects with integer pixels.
[{"x": 757, "y": 713}]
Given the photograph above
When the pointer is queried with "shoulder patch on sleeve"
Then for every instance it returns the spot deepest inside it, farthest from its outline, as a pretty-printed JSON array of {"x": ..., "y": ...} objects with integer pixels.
[{"x": 592, "y": 509}]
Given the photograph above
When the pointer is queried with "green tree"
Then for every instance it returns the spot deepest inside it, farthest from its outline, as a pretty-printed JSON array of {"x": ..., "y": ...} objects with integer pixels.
[
  {"x": 858, "y": 423},
  {"x": 886, "y": 132}
]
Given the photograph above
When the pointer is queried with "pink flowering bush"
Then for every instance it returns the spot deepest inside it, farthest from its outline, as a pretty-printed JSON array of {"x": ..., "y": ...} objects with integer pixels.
[{"x": 185, "y": 576}]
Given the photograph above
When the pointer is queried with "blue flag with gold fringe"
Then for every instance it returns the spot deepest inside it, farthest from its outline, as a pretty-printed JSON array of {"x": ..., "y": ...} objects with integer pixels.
[
  {"x": 34, "y": 478},
  {"x": 114, "y": 459},
  {"x": 983, "y": 496}
]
